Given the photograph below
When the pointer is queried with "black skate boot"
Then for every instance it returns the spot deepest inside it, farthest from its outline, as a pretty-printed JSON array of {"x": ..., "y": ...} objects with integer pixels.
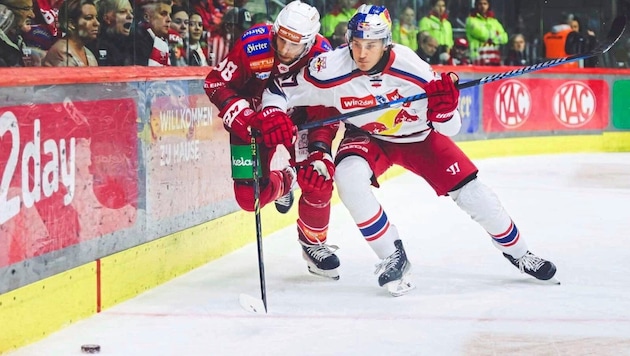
[
  {"x": 285, "y": 202},
  {"x": 396, "y": 271},
  {"x": 321, "y": 259},
  {"x": 534, "y": 266}
]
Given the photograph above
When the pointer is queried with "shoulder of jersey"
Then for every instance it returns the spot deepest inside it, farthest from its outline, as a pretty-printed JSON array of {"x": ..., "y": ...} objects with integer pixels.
[
  {"x": 331, "y": 65},
  {"x": 406, "y": 57}
]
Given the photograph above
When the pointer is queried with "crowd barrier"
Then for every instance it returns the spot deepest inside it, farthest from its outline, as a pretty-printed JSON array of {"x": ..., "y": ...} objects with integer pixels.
[{"x": 115, "y": 180}]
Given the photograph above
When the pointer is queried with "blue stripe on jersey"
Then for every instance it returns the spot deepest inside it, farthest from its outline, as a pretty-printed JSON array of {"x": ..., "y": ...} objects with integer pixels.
[
  {"x": 408, "y": 76},
  {"x": 330, "y": 83}
]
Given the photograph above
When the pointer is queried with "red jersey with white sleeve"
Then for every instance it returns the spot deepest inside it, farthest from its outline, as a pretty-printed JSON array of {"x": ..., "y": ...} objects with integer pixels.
[
  {"x": 244, "y": 73},
  {"x": 332, "y": 79}
]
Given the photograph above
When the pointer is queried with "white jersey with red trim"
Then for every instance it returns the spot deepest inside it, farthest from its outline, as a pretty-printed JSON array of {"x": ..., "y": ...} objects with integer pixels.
[{"x": 332, "y": 79}]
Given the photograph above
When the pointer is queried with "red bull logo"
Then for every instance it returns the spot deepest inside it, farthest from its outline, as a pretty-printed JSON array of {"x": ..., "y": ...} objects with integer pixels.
[{"x": 320, "y": 63}]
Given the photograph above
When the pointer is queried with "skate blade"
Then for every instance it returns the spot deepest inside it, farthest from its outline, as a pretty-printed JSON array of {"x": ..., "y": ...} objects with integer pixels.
[
  {"x": 552, "y": 281},
  {"x": 400, "y": 287},
  {"x": 332, "y": 273}
]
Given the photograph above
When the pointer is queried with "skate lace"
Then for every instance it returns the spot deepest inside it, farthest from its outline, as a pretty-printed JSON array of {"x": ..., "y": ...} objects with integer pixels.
[
  {"x": 387, "y": 263},
  {"x": 320, "y": 251},
  {"x": 530, "y": 262}
]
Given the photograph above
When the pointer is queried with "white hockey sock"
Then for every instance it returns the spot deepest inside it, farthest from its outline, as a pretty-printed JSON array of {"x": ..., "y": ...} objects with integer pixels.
[
  {"x": 352, "y": 177},
  {"x": 484, "y": 207}
]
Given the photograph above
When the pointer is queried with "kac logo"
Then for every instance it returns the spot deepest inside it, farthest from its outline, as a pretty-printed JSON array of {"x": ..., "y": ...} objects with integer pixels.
[
  {"x": 512, "y": 104},
  {"x": 574, "y": 104}
]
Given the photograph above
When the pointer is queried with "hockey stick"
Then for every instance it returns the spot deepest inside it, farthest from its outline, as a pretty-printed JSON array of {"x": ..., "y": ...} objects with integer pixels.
[
  {"x": 616, "y": 30},
  {"x": 248, "y": 302}
]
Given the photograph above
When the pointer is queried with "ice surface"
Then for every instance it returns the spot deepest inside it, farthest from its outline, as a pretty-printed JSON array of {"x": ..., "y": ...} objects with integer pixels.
[{"x": 571, "y": 209}]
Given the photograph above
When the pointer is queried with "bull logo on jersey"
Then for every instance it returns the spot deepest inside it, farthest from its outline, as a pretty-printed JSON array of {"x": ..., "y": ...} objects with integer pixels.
[{"x": 319, "y": 64}]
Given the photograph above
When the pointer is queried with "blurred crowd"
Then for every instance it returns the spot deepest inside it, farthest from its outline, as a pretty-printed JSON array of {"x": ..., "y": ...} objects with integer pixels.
[{"x": 201, "y": 32}]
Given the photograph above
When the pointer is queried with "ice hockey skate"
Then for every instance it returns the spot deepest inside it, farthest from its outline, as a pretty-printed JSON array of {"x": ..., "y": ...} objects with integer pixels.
[
  {"x": 535, "y": 266},
  {"x": 285, "y": 202},
  {"x": 395, "y": 272},
  {"x": 321, "y": 259}
]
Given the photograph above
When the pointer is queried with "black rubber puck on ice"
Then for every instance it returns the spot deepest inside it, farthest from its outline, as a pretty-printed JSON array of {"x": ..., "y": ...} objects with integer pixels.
[{"x": 90, "y": 349}]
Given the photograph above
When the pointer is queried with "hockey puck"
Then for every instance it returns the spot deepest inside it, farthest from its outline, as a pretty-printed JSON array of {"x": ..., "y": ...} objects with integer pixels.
[{"x": 90, "y": 348}]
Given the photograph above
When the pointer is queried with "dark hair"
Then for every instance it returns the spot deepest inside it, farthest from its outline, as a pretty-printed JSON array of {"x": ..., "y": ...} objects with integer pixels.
[{"x": 70, "y": 12}]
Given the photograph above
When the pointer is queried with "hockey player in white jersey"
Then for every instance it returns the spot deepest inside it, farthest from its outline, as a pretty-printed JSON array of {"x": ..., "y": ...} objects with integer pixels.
[{"x": 370, "y": 71}]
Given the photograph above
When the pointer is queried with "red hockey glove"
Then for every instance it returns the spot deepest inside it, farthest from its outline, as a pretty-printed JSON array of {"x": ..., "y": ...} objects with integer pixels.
[
  {"x": 443, "y": 97},
  {"x": 237, "y": 117},
  {"x": 275, "y": 126},
  {"x": 316, "y": 172}
]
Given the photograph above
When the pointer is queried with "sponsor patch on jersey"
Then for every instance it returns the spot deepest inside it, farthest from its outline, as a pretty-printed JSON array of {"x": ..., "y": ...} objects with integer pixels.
[
  {"x": 289, "y": 35},
  {"x": 261, "y": 65},
  {"x": 351, "y": 102},
  {"x": 257, "y": 47},
  {"x": 263, "y": 75},
  {"x": 319, "y": 63},
  {"x": 255, "y": 32}
]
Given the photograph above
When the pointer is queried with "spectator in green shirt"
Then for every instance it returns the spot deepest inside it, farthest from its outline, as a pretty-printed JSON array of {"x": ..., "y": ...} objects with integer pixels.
[
  {"x": 485, "y": 34},
  {"x": 436, "y": 23},
  {"x": 342, "y": 11},
  {"x": 404, "y": 31}
]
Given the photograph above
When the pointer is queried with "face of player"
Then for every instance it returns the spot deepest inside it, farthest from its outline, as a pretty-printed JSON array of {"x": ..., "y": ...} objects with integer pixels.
[
  {"x": 160, "y": 19},
  {"x": 22, "y": 10},
  {"x": 196, "y": 28},
  {"x": 367, "y": 52},
  {"x": 88, "y": 24},
  {"x": 440, "y": 8},
  {"x": 287, "y": 51},
  {"x": 180, "y": 23}
]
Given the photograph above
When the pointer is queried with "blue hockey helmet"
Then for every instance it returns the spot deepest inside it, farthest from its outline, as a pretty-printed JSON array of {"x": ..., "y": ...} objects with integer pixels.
[{"x": 370, "y": 22}]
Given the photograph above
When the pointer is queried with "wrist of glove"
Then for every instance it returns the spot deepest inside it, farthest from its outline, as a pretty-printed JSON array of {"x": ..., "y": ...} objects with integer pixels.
[
  {"x": 442, "y": 98},
  {"x": 275, "y": 127},
  {"x": 316, "y": 172},
  {"x": 237, "y": 116}
]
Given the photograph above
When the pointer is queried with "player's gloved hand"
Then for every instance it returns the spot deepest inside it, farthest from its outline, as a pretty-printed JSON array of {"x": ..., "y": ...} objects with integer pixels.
[
  {"x": 316, "y": 172},
  {"x": 275, "y": 126},
  {"x": 237, "y": 116},
  {"x": 443, "y": 97}
]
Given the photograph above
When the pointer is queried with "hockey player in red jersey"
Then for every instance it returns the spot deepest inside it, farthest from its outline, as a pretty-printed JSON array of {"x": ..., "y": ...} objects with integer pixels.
[
  {"x": 235, "y": 86},
  {"x": 414, "y": 135}
]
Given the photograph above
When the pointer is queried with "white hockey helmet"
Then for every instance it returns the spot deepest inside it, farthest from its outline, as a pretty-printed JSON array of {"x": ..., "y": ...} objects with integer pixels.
[
  {"x": 370, "y": 22},
  {"x": 298, "y": 22}
]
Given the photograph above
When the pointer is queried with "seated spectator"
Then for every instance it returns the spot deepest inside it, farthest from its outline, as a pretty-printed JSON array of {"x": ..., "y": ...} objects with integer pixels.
[
  {"x": 338, "y": 37},
  {"x": 405, "y": 31},
  {"x": 14, "y": 15},
  {"x": 113, "y": 46},
  {"x": 211, "y": 12},
  {"x": 581, "y": 40},
  {"x": 151, "y": 35},
  {"x": 78, "y": 20},
  {"x": 341, "y": 12},
  {"x": 234, "y": 23},
  {"x": 458, "y": 55},
  {"x": 485, "y": 35},
  {"x": 518, "y": 53},
  {"x": 44, "y": 31},
  {"x": 427, "y": 47},
  {"x": 436, "y": 23},
  {"x": 178, "y": 36},
  {"x": 197, "y": 51}
]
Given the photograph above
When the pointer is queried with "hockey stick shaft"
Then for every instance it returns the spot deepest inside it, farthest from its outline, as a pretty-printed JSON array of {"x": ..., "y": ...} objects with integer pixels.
[
  {"x": 616, "y": 30},
  {"x": 261, "y": 265}
]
